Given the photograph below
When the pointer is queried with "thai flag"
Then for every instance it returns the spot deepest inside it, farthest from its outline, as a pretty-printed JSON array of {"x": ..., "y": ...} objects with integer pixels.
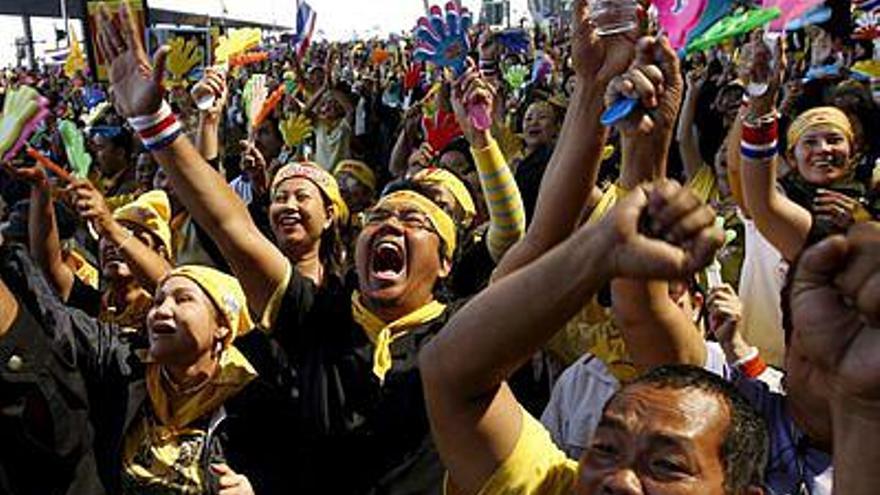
[{"x": 305, "y": 26}]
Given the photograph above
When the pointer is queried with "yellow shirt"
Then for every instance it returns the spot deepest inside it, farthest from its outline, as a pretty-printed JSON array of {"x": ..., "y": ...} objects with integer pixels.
[{"x": 535, "y": 467}]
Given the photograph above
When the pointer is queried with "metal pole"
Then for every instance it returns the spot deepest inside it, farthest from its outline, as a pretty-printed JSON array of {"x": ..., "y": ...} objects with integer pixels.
[
  {"x": 427, "y": 7},
  {"x": 29, "y": 41}
]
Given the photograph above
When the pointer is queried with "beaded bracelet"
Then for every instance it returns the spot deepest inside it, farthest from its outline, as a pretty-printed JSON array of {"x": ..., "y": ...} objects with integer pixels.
[
  {"x": 157, "y": 130},
  {"x": 760, "y": 138}
]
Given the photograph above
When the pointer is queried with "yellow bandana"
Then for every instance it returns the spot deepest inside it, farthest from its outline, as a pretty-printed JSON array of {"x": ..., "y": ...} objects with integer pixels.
[
  {"x": 162, "y": 451},
  {"x": 321, "y": 178},
  {"x": 454, "y": 185},
  {"x": 225, "y": 292},
  {"x": 819, "y": 116},
  {"x": 359, "y": 170},
  {"x": 382, "y": 334},
  {"x": 152, "y": 211},
  {"x": 440, "y": 220}
]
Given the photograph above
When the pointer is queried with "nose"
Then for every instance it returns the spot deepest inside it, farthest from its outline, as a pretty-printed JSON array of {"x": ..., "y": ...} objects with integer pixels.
[{"x": 621, "y": 482}]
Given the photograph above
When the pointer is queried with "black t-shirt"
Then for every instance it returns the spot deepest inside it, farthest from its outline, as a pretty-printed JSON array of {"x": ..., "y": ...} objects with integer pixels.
[
  {"x": 357, "y": 435},
  {"x": 528, "y": 177},
  {"x": 85, "y": 298}
]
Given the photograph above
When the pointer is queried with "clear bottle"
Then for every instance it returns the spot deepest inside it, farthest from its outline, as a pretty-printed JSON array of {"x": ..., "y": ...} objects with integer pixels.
[{"x": 614, "y": 16}]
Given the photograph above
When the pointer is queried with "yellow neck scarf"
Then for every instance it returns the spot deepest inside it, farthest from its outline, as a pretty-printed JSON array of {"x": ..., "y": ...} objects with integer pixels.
[
  {"x": 162, "y": 451},
  {"x": 382, "y": 334}
]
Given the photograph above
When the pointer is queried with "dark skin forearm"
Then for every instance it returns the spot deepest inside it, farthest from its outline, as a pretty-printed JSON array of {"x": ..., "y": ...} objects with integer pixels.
[
  {"x": 655, "y": 330},
  {"x": 255, "y": 260},
  {"x": 45, "y": 242},
  {"x": 856, "y": 448},
  {"x": 461, "y": 390},
  {"x": 148, "y": 267}
]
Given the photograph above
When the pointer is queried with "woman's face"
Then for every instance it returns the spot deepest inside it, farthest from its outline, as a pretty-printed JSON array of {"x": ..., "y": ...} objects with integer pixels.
[
  {"x": 298, "y": 215},
  {"x": 357, "y": 196},
  {"x": 539, "y": 125},
  {"x": 822, "y": 155},
  {"x": 183, "y": 323},
  {"x": 145, "y": 170}
]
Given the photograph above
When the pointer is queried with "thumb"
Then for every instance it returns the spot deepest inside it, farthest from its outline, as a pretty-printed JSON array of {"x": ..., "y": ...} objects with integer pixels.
[
  {"x": 221, "y": 469},
  {"x": 159, "y": 60}
]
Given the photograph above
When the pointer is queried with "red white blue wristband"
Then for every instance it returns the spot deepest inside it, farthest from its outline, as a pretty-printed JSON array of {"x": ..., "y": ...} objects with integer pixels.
[
  {"x": 760, "y": 142},
  {"x": 157, "y": 130}
]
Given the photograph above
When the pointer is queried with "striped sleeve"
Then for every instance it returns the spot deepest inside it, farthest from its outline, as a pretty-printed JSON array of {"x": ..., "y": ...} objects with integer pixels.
[{"x": 507, "y": 221}]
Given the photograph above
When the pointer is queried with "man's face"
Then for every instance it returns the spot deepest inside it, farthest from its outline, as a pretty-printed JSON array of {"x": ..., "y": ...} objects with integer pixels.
[{"x": 655, "y": 440}]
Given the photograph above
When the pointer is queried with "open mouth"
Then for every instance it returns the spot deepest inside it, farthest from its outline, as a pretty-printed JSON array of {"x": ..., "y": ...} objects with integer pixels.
[
  {"x": 162, "y": 329},
  {"x": 289, "y": 220},
  {"x": 388, "y": 260}
]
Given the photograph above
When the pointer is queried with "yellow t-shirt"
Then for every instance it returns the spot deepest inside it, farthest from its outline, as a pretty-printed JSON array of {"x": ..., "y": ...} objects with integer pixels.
[{"x": 535, "y": 467}]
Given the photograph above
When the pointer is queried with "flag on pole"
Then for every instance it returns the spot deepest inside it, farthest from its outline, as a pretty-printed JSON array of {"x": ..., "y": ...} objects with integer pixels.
[{"x": 305, "y": 26}]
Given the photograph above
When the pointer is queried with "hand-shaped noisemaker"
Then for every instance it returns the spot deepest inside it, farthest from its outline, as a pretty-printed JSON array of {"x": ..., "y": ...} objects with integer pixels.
[
  {"x": 443, "y": 41},
  {"x": 236, "y": 42},
  {"x": 74, "y": 146},
  {"x": 23, "y": 110}
]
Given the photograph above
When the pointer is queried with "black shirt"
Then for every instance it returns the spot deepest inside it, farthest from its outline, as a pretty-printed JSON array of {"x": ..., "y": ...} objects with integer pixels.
[
  {"x": 357, "y": 435},
  {"x": 47, "y": 445}
]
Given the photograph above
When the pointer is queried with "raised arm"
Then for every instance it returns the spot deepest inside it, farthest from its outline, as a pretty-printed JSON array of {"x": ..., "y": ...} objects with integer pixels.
[
  {"x": 687, "y": 134},
  {"x": 782, "y": 221},
  {"x": 44, "y": 239},
  {"x": 148, "y": 267},
  {"x": 574, "y": 166},
  {"x": 654, "y": 328},
  {"x": 475, "y": 419},
  {"x": 507, "y": 221},
  {"x": 835, "y": 302},
  {"x": 208, "y": 141},
  {"x": 258, "y": 264}
]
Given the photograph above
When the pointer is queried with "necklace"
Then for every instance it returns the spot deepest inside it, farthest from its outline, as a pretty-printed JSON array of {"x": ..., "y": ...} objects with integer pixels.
[{"x": 177, "y": 390}]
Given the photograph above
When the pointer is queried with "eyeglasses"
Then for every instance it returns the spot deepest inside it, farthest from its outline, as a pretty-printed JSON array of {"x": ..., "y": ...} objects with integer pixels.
[{"x": 409, "y": 218}]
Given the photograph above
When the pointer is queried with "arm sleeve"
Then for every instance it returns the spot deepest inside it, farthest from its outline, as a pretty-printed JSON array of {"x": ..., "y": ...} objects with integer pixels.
[
  {"x": 93, "y": 347},
  {"x": 506, "y": 214}
]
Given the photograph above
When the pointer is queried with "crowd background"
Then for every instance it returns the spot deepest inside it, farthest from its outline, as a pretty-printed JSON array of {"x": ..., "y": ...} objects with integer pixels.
[{"x": 358, "y": 217}]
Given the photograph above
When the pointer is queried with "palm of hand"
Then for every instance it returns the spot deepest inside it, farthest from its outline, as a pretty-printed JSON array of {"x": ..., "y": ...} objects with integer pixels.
[
  {"x": 444, "y": 42},
  {"x": 136, "y": 91}
]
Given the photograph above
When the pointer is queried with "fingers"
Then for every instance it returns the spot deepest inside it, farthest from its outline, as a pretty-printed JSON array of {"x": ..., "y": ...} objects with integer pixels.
[
  {"x": 859, "y": 281},
  {"x": 680, "y": 218},
  {"x": 159, "y": 60},
  {"x": 820, "y": 262}
]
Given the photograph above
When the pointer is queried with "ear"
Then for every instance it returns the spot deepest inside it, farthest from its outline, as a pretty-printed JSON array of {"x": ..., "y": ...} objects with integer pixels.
[
  {"x": 445, "y": 267},
  {"x": 222, "y": 333},
  {"x": 753, "y": 490}
]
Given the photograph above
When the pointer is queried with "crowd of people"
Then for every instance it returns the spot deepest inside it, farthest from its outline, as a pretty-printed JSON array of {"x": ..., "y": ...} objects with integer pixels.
[{"x": 369, "y": 292}]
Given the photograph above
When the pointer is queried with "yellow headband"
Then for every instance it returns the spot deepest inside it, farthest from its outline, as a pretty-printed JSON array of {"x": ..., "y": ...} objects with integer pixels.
[
  {"x": 454, "y": 185},
  {"x": 225, "y": 292},
  {"x": 152, "y": 211},
  {"x": 819, "y": 116},
  {"x": 321, "y": 178},
  {"x": 441, "y": 221},
  {"x": 359, "y": 170}
]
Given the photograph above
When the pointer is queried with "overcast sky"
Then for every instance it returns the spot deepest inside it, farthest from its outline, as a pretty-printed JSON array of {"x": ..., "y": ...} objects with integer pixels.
[{"x": 337, "y": 19}]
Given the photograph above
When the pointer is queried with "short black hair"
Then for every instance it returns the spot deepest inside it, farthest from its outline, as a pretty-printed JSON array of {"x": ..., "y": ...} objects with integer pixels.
[{"x": 746, "y": 444}]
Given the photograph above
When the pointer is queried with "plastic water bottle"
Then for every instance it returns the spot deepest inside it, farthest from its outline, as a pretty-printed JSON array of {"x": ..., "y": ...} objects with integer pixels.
[{"x": 614, "y": 16}]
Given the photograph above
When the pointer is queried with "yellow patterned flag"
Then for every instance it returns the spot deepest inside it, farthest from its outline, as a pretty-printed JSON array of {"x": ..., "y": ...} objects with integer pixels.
[{"x": 76, "y": 61}]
